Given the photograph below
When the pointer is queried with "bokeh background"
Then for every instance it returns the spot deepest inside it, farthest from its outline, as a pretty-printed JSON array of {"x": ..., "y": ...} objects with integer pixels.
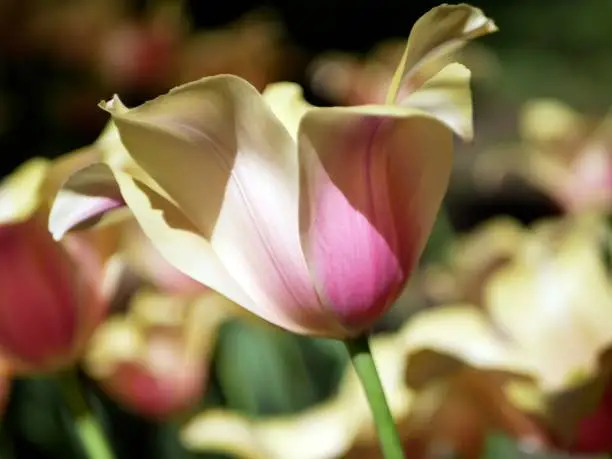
[{"x": 59, "y": 58}]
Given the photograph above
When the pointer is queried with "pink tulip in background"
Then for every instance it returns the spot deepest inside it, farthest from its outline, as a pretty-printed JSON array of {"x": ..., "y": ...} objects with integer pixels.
[{"x": 53, "y": 294}]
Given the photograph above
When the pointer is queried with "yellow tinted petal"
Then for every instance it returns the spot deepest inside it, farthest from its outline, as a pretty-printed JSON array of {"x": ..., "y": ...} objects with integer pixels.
[
  {"x": 20, "y": 192},
  {"x": 437, "y": 33},
  {"x": 448, "y": 97}
]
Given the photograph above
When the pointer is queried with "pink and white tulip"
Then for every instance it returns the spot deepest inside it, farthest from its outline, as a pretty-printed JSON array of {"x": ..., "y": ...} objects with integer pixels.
[{"x": 312, "y": 218}]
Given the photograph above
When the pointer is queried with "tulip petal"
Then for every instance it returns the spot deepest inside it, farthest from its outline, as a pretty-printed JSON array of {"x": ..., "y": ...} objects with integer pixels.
[
  {"x": 85, "y": 200},
  {"x": 440, "y": 31},
  {"x": 321, "y": 432},
  {"x": 20, "y": 192},
  {"x": 448, "y": 97},
  {"x": 177, "y": 239},
  {"x": 464, "y": 332},
  {"x": 227, "y": 162},
  {"x": 555, "y": 302},
  {"x": 287, "y": 102},
  {"x": 373, "y": 179}
]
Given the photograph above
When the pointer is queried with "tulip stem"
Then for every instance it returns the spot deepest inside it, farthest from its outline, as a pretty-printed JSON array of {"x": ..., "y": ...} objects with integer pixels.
[
  {"x": 88, "y": 428},
  {"x": 361, "y": 357}
]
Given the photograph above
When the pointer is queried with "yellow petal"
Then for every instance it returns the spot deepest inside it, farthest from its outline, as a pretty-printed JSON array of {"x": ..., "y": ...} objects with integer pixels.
[
  {"x": 465, "y": 333},
  {"x": 448, "y": 97},
  {"x": 177, "y": 239},
  {"x": 223, "y": 431},
  {"x": 148, "y": 264},
  {"x": 20, "y": 192},
  {"x": 497, "y": 238},
  {"x": 437, "y": 33},
  {"x": 114, "y": 341},
  {"x": 287, "y": 102},
  {"x": 554, "y": 301},
  {"x": 322, "y": 432}
]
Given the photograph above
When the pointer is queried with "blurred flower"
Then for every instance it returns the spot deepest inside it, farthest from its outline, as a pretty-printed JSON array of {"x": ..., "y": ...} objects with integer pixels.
[
  {"x": 154, "y": 359},
  {"x": 561, "y": 152},
  {"x": 295, "y": 216},
  {"x": 253, "y": 47},
  {"x": 547, "y": 310},
  {"x": 158, "y": 50},
  {"x": 473, "y": 259},
  {"x": 142, "y": 55},
  {"x": 447, "y": 406},
  {"x": 53, "y": 295},
  {"x": 72, "y": 31}
]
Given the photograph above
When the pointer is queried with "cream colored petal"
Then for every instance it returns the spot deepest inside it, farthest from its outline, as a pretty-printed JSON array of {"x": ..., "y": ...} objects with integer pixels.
[
  {"x": 217, "y": 150},
  {"x": 496, "y": 238},
  {"x": 177, "y": 239},
  {"x": 555, "y": 301},
  {"x": 114, "y": 154},
  {"x": 373, "y": 178},
  {"x": 226, "y": 432},
  {"x": 148, "y": 264},
  {"x": 64, "y": 166},
  {"x": 448, "y": 97},
  {"x": 114, "y": 341},
  {"x": 88, "y": 198},
  {"x": 20, "y": 192},
  {"x": 287, "y": 102},
  {"x": 437, "y": 33},
  {"x": 325, "y": 431},
  {"x": 465, "y": 333}
]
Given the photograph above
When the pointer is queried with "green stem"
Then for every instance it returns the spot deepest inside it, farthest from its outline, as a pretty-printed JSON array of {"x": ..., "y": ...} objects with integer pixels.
[
  {"x": 361, "y": 356},
  {"x": 87, "y": 427}
]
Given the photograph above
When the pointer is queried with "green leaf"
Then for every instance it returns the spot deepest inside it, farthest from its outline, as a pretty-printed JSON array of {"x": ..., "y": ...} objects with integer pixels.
[{"x": 262, "y": 370}]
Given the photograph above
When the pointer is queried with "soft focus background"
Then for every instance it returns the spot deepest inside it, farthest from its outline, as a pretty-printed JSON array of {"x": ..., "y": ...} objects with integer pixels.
[{"x": 59, "y": 58}]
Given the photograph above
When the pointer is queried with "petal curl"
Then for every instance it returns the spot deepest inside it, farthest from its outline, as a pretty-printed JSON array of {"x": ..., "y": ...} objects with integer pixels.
[
  {"x": 437, "y": 33},
  {"x": 448, "y": 97}
]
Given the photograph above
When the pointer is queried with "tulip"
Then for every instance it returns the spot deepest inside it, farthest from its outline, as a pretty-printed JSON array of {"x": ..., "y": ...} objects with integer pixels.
[
  {"x": 312, "y": 218},
  {"x": 53, "y": 295},
  {"x": 154, "y": 359}
]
